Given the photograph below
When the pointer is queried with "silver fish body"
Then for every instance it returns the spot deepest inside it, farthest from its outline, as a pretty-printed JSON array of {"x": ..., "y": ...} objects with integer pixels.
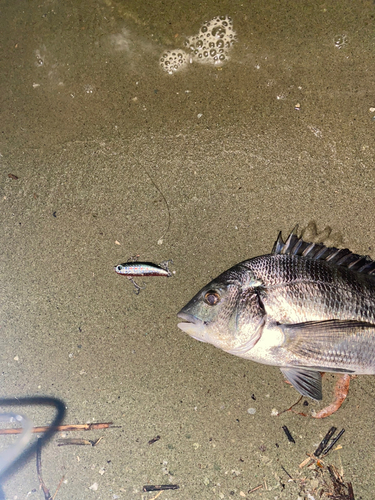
[{"x": 305, "y": 307}]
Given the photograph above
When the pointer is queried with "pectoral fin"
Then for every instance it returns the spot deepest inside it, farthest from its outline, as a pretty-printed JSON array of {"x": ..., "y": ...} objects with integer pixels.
[
  {"x": 328, "y": 329},
  {"x": 331, "y": 345},
  {"x": 307, "y": 382}
]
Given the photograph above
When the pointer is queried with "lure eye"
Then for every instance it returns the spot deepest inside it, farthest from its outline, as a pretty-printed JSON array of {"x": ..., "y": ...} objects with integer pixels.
[{"x": 212, "y": 298}]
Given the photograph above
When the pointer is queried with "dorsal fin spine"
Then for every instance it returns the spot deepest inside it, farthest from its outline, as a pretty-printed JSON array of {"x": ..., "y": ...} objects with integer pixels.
[
  {"x": 342, "y": 257},
  {"x": 308, "y": 249}
]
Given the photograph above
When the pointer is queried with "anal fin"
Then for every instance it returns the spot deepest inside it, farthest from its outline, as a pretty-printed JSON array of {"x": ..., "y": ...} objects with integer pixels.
[{"x": 306, "y": 382}]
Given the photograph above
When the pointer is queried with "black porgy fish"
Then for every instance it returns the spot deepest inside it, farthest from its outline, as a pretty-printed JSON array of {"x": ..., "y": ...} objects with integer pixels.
[{"x": 304, "y": 307}]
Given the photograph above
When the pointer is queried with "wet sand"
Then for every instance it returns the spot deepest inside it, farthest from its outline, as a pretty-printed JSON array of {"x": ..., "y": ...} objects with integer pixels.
[{"x": 95, "y": 131}]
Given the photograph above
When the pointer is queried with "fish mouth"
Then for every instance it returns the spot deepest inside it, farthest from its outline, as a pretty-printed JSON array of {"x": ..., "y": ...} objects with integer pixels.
[{"x": 192, "y": 325}]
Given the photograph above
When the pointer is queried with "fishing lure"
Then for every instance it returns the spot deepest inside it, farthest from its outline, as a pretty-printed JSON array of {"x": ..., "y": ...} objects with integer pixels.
[{"x": 134, "y": 269}]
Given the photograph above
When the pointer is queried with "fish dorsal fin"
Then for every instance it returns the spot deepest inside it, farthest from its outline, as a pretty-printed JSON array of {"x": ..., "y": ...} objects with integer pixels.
[{"x": 294, "y": 245}]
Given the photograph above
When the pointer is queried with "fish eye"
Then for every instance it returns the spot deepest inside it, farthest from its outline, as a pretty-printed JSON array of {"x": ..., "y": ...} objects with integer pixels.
[{"x": 211, "y": 298}]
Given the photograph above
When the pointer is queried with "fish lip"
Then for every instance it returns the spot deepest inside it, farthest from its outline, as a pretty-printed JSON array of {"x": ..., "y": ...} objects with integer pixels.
[
  {"x": 189, "y": 318},
  {"x": 193, "y": 326}
]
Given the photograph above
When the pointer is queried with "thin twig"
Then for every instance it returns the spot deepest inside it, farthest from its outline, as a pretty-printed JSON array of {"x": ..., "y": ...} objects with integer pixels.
[
  {"x": 78, "y": 442},
  {"x": 166, "y": 204},
  {"x": 60, "y": 428},
  {"x": 46, "y": 492},
  {"x": 350, "y": 491},
  {"x": 58, "y": 487},
  {"x": 157, "y": 495},
  {"x": 97, "y": 441},
  {"x": 255, "y": 489},
  {"x": 291, "y": 409},
  {"x": 287, "y": 473}
]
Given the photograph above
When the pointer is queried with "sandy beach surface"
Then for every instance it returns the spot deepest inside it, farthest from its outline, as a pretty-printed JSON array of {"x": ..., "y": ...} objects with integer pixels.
[{"x": 105, "y": 156}]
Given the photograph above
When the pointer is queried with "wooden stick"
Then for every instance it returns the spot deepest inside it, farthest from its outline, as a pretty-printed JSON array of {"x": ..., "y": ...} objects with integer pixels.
[
  {"x": 158, "y": 487},
  {"x": 324, "y": 442},
  {"x": 333, "y": 442},
  {"x": 288, "y": 434},
  {"x": 305, "y": 462},
  {"x": 59, "y": 428}
]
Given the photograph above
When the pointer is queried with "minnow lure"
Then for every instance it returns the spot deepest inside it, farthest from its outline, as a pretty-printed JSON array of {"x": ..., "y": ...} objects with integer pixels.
[{"x": 133, "y": 269}]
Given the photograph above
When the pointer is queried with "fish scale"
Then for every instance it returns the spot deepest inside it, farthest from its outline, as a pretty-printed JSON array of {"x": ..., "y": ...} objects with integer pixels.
[{"x": 325, "y": 290}]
